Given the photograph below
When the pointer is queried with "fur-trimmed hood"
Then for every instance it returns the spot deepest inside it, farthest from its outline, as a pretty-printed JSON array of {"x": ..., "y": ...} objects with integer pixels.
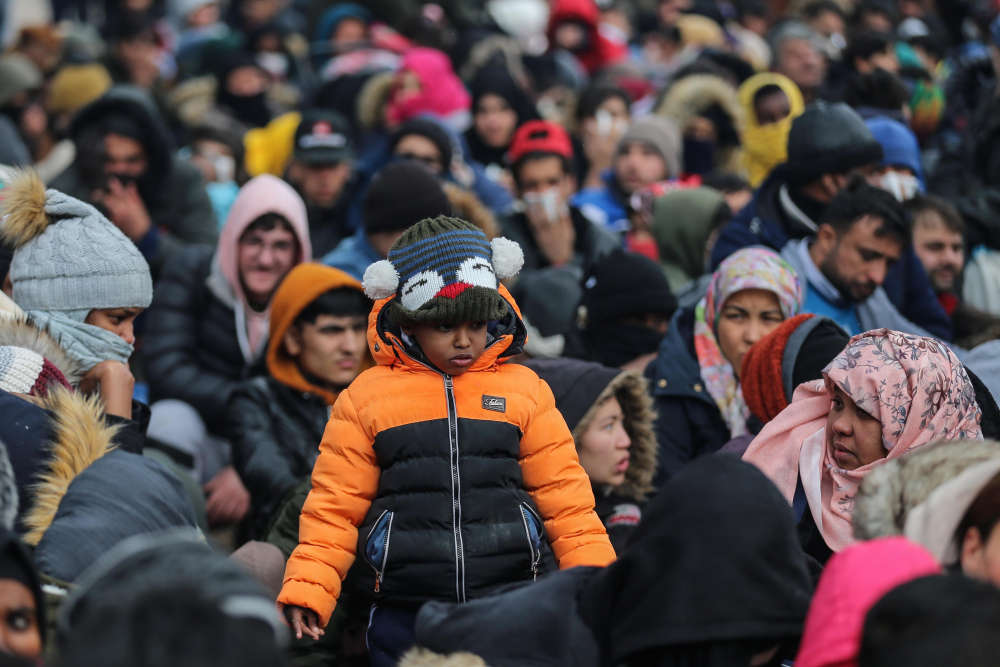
[
  {"x": 693, "y": 94},
  {"x": 372, "y": 101},
  {"x": 891, "y": 491},
  {"x": 21, "y": 331},
  {"x": 581, "y": 387},
  {"x": 467, "y": 206},
  {"x": 421, "y": 657}
]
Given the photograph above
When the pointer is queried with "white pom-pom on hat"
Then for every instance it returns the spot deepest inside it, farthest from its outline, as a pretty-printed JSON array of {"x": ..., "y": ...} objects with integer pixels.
[
  {"x": 380, "y": 280},
  {"x": 508, "y": 258}
]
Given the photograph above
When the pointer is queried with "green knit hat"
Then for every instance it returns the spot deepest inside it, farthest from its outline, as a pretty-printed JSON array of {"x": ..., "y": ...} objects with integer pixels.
[{"x": 443, "y": 270}]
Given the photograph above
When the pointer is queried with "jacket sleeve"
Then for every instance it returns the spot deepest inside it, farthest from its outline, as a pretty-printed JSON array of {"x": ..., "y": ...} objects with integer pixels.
[
  {"x": 172, "y": 339},
  {"x": 558, "y": 484},
  {"x": 344, "y": 483},
  {"x": 256, "y": 451}
]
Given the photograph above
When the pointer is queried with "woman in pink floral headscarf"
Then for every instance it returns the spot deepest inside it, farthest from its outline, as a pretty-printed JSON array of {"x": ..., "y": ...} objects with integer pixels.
[{"x": 884, "y": 395}]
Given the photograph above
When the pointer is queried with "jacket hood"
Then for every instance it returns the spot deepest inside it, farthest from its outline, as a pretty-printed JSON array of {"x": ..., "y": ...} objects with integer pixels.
[
  {"x": 303, "y": 285},
  {"x": 692, "y": 96},
  {"x": 581, "y": 387},
  {"x": 715, "y": 559},
  {"x": 372, "y": 100},
  {"x": 388, "y": 348},
  {"x": 891, "y": 492},
  {"x": 852, "y": 582},
  {"x": 20, "y": 331},
  {"x": 682, "y": 226},
  {"x": 601, "y": 51},
  {"x": 138, "y": 106}
]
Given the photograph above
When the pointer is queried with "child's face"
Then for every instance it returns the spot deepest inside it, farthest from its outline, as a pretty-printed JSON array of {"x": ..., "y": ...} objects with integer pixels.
[
  {"x": 118, "y": 321},
  {"x": 452, "y": 348}
]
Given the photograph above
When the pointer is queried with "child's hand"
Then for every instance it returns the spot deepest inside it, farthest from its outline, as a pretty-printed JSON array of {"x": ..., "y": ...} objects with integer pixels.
[{"x": 302, "y": 619}]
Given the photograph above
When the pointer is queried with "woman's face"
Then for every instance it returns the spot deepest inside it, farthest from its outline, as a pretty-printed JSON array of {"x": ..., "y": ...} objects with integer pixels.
[
  {"x": 745, "y": 318},
  {"x": 19, "y": 633},
  {"x": 603, "y": 448},
  {"x": 853, "y": 436},
  {"x": 495, "y": 121},
  {"x": 981, "y": 559}
]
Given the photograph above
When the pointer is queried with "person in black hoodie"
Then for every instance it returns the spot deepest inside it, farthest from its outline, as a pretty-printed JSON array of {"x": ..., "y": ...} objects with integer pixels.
[
  {"x": 499, "y": 107},
  {"x": 610, "y": 414},
  {"x": 712, "y": 577}
]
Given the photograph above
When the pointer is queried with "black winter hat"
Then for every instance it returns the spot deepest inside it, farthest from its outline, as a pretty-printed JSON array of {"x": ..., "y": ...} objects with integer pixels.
[
  {"x": 828, "y": 139},
  {"x": 429, "y": 130},
  {"x": 623, "y": 284},
  {"x": 576, "y": 385},
  {"x": 403, "y": 194}
]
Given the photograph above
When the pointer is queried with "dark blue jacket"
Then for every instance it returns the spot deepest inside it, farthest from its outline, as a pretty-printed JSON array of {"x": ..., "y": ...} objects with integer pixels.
[
  {"x": 763, "y": 222},
  {"x": 688, "y": 422}
]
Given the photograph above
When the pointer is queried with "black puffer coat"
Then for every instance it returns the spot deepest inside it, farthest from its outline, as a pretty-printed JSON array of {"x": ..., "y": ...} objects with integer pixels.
[
  {"x": 275, "y": 431},
  {"x": 191, "y": 350}
]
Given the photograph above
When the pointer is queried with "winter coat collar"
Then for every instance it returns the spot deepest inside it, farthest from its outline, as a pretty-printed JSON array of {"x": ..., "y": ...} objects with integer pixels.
[
  {"x": 388, "y": 348},
  {"x": 675, "y": 371}
]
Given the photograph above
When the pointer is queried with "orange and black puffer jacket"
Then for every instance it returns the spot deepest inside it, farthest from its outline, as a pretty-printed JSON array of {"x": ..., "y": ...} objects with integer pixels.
[{"x": 445, "y": 485}]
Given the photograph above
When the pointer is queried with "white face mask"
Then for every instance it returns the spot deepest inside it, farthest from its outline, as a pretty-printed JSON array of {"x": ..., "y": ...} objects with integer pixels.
[
  {"x": 901, "y": 186},
  {"x": 275, "y": 63},
  {"x": 547, "y": 206}
]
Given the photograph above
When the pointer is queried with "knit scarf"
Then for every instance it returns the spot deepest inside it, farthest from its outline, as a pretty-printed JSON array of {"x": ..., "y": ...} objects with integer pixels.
[{"x": 87, "y": 344}]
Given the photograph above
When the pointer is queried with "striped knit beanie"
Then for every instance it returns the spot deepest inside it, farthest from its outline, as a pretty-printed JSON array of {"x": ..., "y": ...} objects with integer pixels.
[
  {"x": 443, "y": 270},
  {"x": 23, "y": 371}
]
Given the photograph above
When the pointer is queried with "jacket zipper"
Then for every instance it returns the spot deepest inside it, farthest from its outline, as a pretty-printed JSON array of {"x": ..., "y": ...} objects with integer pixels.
[
  {"x": 380, "y": 571},
  {"x": 456, "y": 490},
  {"x": 535, "y": 555}
]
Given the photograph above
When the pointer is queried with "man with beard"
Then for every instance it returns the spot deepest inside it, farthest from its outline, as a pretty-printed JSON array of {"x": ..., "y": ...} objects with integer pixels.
[
  {"x": 863, "y": 232},
  {"x": 938, "y": 242},
  {"x": 125, "y": 166}
]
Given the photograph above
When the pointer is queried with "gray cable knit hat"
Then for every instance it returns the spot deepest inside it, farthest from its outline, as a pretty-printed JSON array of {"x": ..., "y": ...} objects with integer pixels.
[{"x": 68, "y": 257}]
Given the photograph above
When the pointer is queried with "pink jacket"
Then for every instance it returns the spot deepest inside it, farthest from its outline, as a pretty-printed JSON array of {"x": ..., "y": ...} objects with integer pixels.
[{"x": 852, "y": 582}]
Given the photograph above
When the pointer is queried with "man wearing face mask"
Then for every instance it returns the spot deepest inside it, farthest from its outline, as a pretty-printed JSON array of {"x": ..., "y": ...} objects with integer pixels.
[
  {"x": 902, "y": 172},
  {"x": 548, "y": 229},
  {"x": 863, "y": 232},
  {"x": 827, "y": 145}
]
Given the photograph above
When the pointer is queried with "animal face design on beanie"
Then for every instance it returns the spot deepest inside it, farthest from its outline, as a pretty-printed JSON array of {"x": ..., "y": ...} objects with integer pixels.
[{"x": 444, "y": 270}]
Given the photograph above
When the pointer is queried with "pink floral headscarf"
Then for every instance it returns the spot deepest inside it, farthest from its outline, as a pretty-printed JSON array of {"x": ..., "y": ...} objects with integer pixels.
[
  {"x": 915, "y": 386},
  {"x": 749, "y": 268}
]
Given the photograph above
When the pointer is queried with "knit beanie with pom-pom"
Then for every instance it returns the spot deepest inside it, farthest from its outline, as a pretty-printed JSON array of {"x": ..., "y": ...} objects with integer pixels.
[{"x": 443, "y": 270}]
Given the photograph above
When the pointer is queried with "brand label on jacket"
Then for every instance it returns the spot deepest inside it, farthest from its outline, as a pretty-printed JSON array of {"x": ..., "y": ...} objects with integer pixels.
[{"x": 494, "y": 403}]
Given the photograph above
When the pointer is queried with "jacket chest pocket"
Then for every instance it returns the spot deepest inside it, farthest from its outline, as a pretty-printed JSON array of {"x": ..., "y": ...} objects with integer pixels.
[
  {"x": 533, "y": 530},
  {"x": 377, "y": 546}
]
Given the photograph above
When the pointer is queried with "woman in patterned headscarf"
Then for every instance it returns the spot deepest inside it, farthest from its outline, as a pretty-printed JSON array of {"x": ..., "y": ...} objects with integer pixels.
[
  {"x": 886, "y": 394},
  {"x": 695, "y": 378}
]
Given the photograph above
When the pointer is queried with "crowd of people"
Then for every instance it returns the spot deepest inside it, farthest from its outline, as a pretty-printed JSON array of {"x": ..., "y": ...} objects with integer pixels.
[{"x": 500, "y": 333}]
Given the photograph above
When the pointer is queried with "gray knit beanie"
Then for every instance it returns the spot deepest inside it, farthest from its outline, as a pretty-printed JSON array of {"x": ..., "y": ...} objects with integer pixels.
[
  {"x": 68, "y": 257},
  {"x": 660, "y": 133}
]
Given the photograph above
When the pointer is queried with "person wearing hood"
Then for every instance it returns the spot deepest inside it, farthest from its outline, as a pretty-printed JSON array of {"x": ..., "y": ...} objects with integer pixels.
[
  {"x": 316, "y": 348},
  {"x": 322, "y": 171},
  {"x": 885, "y": 395},
  {"x": 852, "y": 582},
  {"x": 610, "y": 414},
  {"x": 649, "y": 151},
  {"x": 550, "y": 231},
  {"x": 242, "y": 90},
  {"x": 400, "y": 195},
  {"x": 125, "y": 166},
  {"x": 695, "y": 379},
  {"x": 901, "y": 165},
  {"x": 624, "y": 312},
  {"x": 440, "y": 331},
  {"x": 770, "y": 103},
  {"x": 707, "y": 110},
  {"x": 679, "y": 594},
  {"x": 827, "y": 144},
  {"x": 22, "y": 603},
  {"x": 499, "y": 108},
  {"x": 574, "y": 28},
  {"x": 684, "y": 222},
  {"x": 427, "y": 84},
  {"x": 208, "y": 324}
]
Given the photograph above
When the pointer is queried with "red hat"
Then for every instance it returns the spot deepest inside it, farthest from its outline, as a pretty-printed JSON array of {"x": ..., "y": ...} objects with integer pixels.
[{"x": 540, "y": 136}]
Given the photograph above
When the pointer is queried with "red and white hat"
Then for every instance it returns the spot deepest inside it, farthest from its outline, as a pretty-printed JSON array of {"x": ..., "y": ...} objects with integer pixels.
[{"x": 23, "y": 371}]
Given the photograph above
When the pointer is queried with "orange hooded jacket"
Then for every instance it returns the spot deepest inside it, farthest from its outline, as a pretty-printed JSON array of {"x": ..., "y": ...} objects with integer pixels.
[{"x": 369, "y": 474}]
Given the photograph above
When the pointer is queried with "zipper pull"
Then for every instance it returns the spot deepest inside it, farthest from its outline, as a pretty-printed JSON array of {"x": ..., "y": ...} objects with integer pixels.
[
  {"x": 534, "y": 570},
  {"x": 378, "y": 580}
]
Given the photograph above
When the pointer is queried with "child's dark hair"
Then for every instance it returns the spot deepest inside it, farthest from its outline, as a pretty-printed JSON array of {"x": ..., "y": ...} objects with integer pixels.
[
  {"x": 921, "y": 204},
  {"x": 515, "y": 169},
  {"x": 878, "y": 89},
  {"x": 858, "y": 200},
  {"x": 984, "y": 512},
  {"x": 339, "y": 302},
  {"x": 864, "y": 44},
  {"x": 597, "y": 94},
  {"x": 726, "y": 182},
  {"x": 267, "y": 222},
  {"x": 812, "y": 10}
]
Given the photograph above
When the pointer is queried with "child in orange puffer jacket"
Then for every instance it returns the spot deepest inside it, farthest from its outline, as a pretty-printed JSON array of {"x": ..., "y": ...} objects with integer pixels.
[{"x": 442, "y": 467}]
